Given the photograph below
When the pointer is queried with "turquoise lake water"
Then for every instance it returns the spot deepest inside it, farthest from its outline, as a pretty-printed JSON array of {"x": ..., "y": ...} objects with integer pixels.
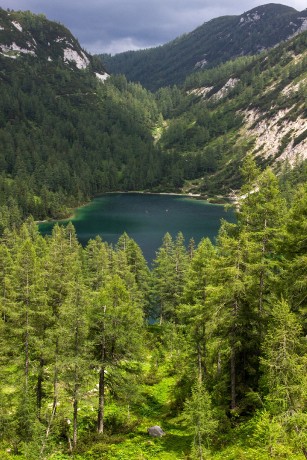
[{"x": 146, "y": 218}]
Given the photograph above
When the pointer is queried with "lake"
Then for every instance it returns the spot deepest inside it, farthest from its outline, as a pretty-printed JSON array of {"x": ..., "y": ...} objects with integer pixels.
[{"x": 145, "y": 218}]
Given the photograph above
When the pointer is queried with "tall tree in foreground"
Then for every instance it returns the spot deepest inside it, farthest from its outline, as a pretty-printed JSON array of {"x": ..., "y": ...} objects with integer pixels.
[
  {"x": 28, "y": 302},
  {"x": 285, "y": 370},
  {"x": 195, "y": 313},
  {"x": 200, "y": 416},
  {"x": 61, "y": 262},
  {"x": 116, "y": 330},
  {"x": 227, "y": 323},
  {"x": 295, "y": 247}
]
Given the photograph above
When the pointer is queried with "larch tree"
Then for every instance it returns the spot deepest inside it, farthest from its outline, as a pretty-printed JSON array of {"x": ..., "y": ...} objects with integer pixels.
[
  {"x": 116, "y": 334},
  {"x": 285, "y": 368},
  {"x": 195, "y": 313}
]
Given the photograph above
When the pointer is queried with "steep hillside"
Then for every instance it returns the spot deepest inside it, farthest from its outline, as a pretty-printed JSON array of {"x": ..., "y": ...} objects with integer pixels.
[
  {"x": 64, "y": 134},
  {"x": 23, "y": 33},
  {"x": 212, "y": 43},
  {"x": 252, "y": 104}
]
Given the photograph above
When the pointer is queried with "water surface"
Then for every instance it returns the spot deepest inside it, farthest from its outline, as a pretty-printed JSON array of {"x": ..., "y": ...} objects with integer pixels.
[{"x": 146, "y": 218}]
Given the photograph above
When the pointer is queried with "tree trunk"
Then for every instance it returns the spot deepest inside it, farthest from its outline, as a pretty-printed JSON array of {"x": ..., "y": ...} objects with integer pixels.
[
  {"x": 39, "y": 387},
  {"x": 54, "y": 408},
  {"x": 75, "y": 422},
  {"x": 233, "y": 375},
  {"x": 27, "y": 360},
  {"x": 100, "y": 419},
  {"x": 101, "y": 400},
  {"x": 27, "y": 351},
  {"x": 262, "y": 273},
  {"x": 233, "y": 378},
  {"x": 200, "y": 367},
  {"x": 200, "y": 445}
]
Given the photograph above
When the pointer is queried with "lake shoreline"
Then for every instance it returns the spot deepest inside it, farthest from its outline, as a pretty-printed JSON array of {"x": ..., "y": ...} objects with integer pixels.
[
  {"x": 146, "y": 218},
  {"x": 218, "y": 200}
]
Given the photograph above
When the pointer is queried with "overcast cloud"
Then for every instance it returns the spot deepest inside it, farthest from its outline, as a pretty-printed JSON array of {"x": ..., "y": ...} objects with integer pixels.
[{"x": 112, "y": 26}]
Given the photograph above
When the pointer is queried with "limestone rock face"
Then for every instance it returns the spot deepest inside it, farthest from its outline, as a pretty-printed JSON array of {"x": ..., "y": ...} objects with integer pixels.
[{"x": 155, "y": 431}]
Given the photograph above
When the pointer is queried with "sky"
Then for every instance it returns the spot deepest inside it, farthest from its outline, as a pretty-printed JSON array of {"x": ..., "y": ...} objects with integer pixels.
[{"x": 113, "y": 26}]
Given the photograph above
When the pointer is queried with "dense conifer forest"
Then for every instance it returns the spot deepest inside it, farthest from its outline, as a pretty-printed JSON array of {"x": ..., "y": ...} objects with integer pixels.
[
  {"x": 214, "y": 42},
  {"x": 209, "y": 342},
  {"x": 65, "y": 136}
]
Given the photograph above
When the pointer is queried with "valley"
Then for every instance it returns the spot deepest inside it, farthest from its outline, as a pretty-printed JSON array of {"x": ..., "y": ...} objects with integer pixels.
[{"x": 195, "y": 324}]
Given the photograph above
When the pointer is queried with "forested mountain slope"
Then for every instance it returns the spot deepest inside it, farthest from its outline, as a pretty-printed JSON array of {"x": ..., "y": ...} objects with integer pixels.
[
  {"x": 252, "y": 104},
  {"x": 65, "y": 135},
  {"x": 212, "y": 43},
  {"x": 223, "y": 369}
]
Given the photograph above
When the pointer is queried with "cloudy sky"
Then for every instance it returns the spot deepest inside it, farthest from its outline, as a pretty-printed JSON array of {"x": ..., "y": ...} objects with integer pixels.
[{"x": 112, "y": 26}]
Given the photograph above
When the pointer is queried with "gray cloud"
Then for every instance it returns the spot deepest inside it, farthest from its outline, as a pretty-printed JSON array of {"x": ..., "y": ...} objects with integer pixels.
[{"x": 113, "y": 26}]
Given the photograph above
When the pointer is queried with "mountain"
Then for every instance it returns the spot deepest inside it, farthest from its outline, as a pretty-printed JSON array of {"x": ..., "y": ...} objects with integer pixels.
[
  {"x": 23, "y": 33},
  {"x": 254, "y": 104},
  {"x": 66, "y": 136},
  {"x": 212, "y": 43}
]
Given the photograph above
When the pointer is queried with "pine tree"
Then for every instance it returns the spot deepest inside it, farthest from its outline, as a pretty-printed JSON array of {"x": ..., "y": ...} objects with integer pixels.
[
  {"x": 168, "y": 273},
  {"x": 73, "y": 343},
  {"x": 227, "y": 325},
  {"x": 284, "y": 361},
  {"x": 137, "y": 266},
  {"x": 295, "y": 250},
  {"x": 195, "y": 313},
  {"x": 200, "y": 416},
  {"x": 285, "y": 368},
  {"x": 61, "y": 259},
  {"x": 116, "y": 326}
]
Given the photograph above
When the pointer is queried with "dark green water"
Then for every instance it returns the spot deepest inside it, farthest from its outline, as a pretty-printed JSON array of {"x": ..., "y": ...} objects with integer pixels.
[{"x": 146, "y": 219}]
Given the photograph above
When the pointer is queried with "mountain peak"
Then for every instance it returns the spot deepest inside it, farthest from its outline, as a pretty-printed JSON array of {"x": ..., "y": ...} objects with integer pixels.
[
  {"x": 24, "y": 33},
  {"x": 211, "y": 44}
]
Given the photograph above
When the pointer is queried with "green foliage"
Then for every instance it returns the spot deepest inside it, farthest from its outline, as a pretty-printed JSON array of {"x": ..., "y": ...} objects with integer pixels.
[
  {"x": 65, "y": 136},
  {"x": 232, "y": 316},
  {"x": 200, "y": 418},
  {"x": 214, "y": 42},
  {"x": 73, "y": 316}
]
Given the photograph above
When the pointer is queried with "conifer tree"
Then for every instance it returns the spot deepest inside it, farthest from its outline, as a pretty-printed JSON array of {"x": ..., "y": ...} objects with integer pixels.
[
  {"x": 28, "y": 302},
  {"x": 73, "y": 344},
  {"x": 136, "y": 262},
  {"x": 62, "y": 256},
  {"x": 96, "y": 263},
  {"x": 195, "y": 313},
  {"x": 116, "y": 327},
  {"x": 227, "y": 325},
  {"x": 285, "y": 368},
  {"x": 295, "y": 249},
  {"x": 168, "y": 273},
  {"x": 200, "y": 416}
]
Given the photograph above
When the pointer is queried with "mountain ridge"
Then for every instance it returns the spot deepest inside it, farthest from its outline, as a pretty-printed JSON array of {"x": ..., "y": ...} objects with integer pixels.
[
  {"x": 65, "y": 136},
  {"x": 24, "y": 34},
  {"x": 210, "y": 44}
]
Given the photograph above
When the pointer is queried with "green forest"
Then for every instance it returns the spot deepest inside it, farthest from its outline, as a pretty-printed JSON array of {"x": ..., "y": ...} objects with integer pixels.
[
  {"x": 209, "y": 342},
  {"x": 66, "y": 137},
  {"x": 213, "y": 43}
]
